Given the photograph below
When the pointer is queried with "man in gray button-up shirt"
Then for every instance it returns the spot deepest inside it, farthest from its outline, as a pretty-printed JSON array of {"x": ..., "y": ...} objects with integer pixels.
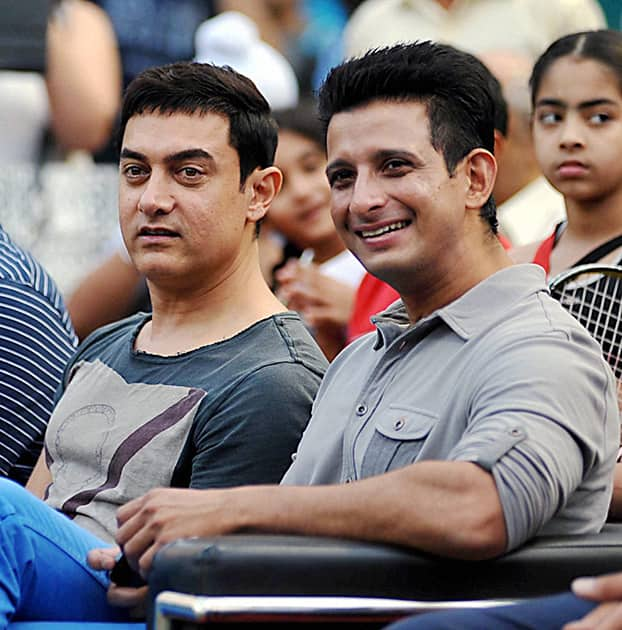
[
  {"x": 492, "y": 378},
  {"x": 480, "y": 413}
]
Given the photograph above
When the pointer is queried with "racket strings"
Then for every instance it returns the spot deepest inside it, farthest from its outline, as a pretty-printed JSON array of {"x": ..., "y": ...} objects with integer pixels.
[{"x": 595, "y": 299}]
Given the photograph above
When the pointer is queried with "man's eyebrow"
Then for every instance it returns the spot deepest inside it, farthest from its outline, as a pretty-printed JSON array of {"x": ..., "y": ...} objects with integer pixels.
[
  {"x": 338, "y": 163},
  {"x": 186, "y": 154},
  {"x": 383, "y": 154},
  {"x": 128, "y": 154},
  {"x": 189, "y": 154},
  {"x": 379, "y": 156}
]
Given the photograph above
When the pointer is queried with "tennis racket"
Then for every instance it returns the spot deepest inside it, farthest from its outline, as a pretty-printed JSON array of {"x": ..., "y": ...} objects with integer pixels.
[{"x": 593, "y": 294}]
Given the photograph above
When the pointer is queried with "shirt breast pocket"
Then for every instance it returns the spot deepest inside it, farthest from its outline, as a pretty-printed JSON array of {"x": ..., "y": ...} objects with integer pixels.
[{"x": 399, "y": 436}]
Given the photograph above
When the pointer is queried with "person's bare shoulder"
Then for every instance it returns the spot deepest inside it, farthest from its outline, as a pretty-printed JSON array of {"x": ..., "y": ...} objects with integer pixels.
[{"x": 524, "y": 253}]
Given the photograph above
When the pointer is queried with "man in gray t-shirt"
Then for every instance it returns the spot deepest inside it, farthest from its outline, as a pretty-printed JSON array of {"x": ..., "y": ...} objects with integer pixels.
[
  {"x": 480, "y": 413},
  {"x": 211, "y": 390}
]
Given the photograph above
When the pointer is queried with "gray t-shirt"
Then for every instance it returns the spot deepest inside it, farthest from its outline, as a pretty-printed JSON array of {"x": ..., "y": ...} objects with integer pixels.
[
  {"x": 227, "y": 414},
  {"x": 503, "y": 377}
]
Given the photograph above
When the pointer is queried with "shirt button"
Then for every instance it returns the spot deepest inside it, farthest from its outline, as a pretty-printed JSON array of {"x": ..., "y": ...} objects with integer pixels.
[
  {"x": 399, "y": 423},
  {"x": 361, "y": 409}
]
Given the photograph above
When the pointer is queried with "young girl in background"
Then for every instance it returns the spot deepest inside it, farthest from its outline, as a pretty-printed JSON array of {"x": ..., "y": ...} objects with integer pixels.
[{"x": 576, "y": 95}]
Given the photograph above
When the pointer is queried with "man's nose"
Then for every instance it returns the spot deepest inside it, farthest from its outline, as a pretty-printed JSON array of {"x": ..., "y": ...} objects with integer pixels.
[
  {"x": 156, "y": 197},
  {"x": 367, "y": 194}
]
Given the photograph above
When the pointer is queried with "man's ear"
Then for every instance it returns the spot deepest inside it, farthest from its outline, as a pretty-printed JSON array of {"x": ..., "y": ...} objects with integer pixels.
[
  {"x": 481, "y": 171},
  {"x": 263, "y": 186}
]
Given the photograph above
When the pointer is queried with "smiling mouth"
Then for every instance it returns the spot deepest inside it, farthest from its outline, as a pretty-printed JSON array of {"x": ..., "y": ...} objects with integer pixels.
[{"x": 386, "y": 229}]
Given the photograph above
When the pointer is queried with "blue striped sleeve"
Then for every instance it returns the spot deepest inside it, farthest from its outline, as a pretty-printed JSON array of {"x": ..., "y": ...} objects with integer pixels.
[{"x": 36, "y": 342}]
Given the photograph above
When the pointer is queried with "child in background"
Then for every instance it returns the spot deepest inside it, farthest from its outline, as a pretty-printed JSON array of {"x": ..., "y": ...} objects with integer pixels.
[{"x": 576, "y": 94}]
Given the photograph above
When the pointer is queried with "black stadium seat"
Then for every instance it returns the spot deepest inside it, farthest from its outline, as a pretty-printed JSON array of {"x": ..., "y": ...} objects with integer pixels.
[{"x": 238, "y": 572}]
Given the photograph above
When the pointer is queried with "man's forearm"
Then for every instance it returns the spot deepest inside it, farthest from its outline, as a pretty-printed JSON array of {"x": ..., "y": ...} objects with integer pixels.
[{"x": 449, "y": 508}]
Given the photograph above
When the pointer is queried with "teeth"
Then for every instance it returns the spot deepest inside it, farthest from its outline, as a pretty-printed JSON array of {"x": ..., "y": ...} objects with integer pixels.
[{"x": 384, "y": 230}]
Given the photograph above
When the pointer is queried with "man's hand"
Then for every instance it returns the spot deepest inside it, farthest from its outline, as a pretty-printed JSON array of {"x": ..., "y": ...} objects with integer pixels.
[
  {"x": 124, "y": 597},
  {"x": 165, "y": 514},
  {"x": 606, "y": 589}
]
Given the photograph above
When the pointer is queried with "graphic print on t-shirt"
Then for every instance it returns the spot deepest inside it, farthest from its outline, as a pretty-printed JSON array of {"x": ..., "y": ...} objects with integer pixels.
[{"x": 104, "y": 453}]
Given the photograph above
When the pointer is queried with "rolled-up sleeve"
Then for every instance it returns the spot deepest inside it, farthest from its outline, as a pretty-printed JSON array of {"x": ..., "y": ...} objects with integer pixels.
[{"x": 545, "y": 424}]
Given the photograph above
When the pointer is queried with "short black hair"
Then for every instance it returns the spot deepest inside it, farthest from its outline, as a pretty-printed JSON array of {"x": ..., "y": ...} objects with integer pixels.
[
  {"x": 603, "y": 45},
  {"x": 189, "y": 88},
  {"x": 454, "y": 86}
]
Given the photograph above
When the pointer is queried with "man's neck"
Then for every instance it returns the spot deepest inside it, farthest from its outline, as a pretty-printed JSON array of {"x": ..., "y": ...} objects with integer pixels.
[
  {"x": 194, "y": 317},
  {"x": 458, "y": 277}
]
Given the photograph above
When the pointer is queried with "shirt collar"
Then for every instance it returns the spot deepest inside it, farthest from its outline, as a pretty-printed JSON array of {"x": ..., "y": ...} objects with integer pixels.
[{"x": 472, "y": 312}]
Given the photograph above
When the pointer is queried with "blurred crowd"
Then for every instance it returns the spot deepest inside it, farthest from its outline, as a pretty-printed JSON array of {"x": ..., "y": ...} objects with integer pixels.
[{"x": 58, "y": 131}]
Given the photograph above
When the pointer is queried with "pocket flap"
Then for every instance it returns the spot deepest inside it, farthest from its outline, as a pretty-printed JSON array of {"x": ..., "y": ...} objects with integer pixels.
[{"x": 406, "y": 423}]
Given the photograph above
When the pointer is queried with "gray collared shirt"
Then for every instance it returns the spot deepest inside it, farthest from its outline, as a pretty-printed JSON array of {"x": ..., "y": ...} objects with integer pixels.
[{"x": 502, "y": 377}]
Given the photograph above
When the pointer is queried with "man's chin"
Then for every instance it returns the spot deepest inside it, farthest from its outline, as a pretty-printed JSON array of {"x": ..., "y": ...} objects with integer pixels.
[
  {"x": 386, "y": 273},
  {"x": 157, "y": 272}
]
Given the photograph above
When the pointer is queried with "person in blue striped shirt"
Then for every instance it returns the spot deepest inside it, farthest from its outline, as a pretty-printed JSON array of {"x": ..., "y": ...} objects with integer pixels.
[{"x": 36, "y": 341}]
